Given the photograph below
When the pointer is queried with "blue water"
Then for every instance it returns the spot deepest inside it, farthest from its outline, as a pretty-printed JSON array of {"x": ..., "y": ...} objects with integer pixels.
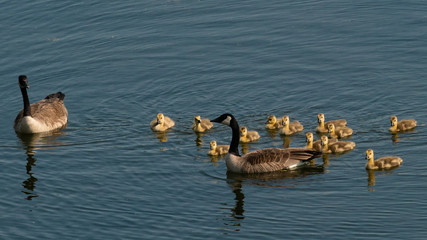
[{"x": 108, "y": 176}]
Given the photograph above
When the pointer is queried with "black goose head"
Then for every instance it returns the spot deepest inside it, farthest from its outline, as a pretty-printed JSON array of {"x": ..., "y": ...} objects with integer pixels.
[
  {"x": 224, "y": 119},
  {"x": 23, "y": 81}
]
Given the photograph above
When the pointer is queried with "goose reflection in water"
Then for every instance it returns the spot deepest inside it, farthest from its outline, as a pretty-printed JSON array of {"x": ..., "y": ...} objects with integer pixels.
[
  {"x": 31, "y": 143},
  {"x": 272, "y": 179}
]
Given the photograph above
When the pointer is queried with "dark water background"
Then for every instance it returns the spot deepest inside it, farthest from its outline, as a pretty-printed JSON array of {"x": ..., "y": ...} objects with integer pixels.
[{"x": 107, "y": 176}]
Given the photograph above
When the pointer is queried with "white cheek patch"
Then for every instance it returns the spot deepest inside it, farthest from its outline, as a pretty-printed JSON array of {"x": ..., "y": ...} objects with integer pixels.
[{"x": 226, "y": 121}]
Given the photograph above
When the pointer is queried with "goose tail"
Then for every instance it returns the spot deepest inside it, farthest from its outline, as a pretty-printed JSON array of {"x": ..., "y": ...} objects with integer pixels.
[{"x": 304, "y": 154}]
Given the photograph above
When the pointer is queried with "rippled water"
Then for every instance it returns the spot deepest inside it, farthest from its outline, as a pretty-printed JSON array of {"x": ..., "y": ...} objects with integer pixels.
[{"x": 108, "y": 176}]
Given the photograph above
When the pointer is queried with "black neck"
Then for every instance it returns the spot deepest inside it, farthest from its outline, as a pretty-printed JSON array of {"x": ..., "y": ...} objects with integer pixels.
[
  {"x": 234, "y": 145},
  {"x": 27, "y": 108}
]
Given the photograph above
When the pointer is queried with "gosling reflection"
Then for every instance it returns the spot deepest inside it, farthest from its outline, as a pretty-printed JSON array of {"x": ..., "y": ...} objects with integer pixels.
[
  {"x": 371, "y": 179},
  {"x": 199, "y": 141},
  {"x": 395, "y": 138},
  {"x": 161, "y": 136},
  {"x": 31, "y": 143}
]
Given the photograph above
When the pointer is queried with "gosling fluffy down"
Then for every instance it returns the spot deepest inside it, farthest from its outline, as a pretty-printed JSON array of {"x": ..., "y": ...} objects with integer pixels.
[
  {"x": 336, "y": 147},
  {"x": 272, "y": 123},
  {"x": 340, "y": 132},
  {"x": 201, "y": 125},
  {"x": 216, "y": 150},
  {"x": 161, "y": 123},
  {"x": 322, "y": 125},
  {"x": 316, "y": 145},
  {"x": 381, "y": 163},
  {"x": 403, "y": 125},
  {"x": 290, "y": 128},
  {"x": 248, "y": 136}
]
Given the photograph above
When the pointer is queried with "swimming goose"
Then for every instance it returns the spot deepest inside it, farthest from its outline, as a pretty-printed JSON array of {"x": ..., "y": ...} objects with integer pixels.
[
  {"x": 201, "y": 125},
  {"x": 290, "y": 128},
  {"x": 217, "y": 150},
  {"x": 263, "y": 160},
  {"x": 381, "y": 163},
  {"x": 248, "y": 136},
  {"x": 272, "y": 123},
  {"x": 161, "y": 123},
  {"x": 316, "y": 145},
  {"x": 321, "y": 123},
  {"x": 402, "y": 125},
  {"x": 336, "y": 147},
  {"x": 43, "y": 116},
  {"x": 340, "y": 132}
]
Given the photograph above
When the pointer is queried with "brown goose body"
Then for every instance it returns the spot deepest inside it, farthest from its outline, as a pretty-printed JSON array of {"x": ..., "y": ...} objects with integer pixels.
[
  {"x": 45, "y": 115},
  {"x": 263, "y": 160}
]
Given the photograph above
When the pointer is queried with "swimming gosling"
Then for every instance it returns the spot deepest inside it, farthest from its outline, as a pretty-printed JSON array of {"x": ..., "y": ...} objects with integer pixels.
[
  {"x": 381, "y": 163},
  {"x": 201, "y": 125},
  {"x": 248, "y": 136},
  {"x": 321, "y": 123},
  {"x": 403, "y": 125},
  {"x": 290, "y": 128},
  {"x": 161, "y": 123}
]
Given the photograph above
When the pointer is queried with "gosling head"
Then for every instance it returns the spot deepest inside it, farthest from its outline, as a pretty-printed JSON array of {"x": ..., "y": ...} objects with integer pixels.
[
  {"x": 271, "y": 119},
  {"x": 213, "y": 144},
  {"x": 160, "y": 118},
  {"x": 285, "y": 120},
  {"x": 393, "y": 121},
  {"x": 309, "y": 137},
  {"x": 369, "y": 154},
  {"x": 320, "y": 118},
  {"x": 23, "y": 82},
  {"x": 197, "y": 120},
  {"x": 331, "y": 128},
  {"x": 243, "y": 131},
  {"x": 324, "y": 140}
]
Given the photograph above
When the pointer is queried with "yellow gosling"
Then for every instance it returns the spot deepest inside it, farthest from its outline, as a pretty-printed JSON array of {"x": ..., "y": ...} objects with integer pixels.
[
  {"x": 272, "y": 123},
  {"x": 336, "y": 147},
  {"x": 321, "y": 123},
  {"x": 316, "y": 145},
  {"x": 217, "y": 150},
  {"x": 248, "y": 136},
  {"x": 340, "y": 132},
  {"x": 290, "y": 128},
  {"x": 201, "y": 125},
  {"x": 381, "y": 163},
  {"x": 161, "y": 123},
  {"x": 403, "y": 125}
]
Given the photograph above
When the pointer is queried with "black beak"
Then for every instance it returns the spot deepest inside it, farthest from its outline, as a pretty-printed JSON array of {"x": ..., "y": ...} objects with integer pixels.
[{"x": 216, "y": 120}]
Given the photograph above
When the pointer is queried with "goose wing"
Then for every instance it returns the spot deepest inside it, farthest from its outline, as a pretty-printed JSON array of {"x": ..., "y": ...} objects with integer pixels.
[
  {"x": 273, "y": 159},
  {"x": 51, "y": 111}
]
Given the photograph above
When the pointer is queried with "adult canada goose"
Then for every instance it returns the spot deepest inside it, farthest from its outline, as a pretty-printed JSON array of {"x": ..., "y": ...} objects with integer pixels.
[
  {"x": 381, "y": 163},
  {"x": 321, "y": 123},
  {"x": 161, "y": 123},
  {"x": 403, "y": 125},
  {"x": 272, "y": 123},
  {"x": 263, "y": 160},
  {"x": 248, "y": 136},
  {"x": 216, "y": 150},
  {"x": 340, "y": 132},
  {"x": 201, "y": 125},
  {"x": 336, "y": 147},
  {"x": 316, "y": 145},
  {"x": 290, "y": 128},
  {"x": 45, "y": 115}
]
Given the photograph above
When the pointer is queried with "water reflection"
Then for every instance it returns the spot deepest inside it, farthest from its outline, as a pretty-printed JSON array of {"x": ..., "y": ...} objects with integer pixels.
[
  {"x": 236, "y": 182},
  {"x": 31, "y": 143},
  {"x": 395, "y": 138},
  {"x": 371, "y": 179},
  {"x": 161, "y": 136},
  {"x": 199, "y": 141}
]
